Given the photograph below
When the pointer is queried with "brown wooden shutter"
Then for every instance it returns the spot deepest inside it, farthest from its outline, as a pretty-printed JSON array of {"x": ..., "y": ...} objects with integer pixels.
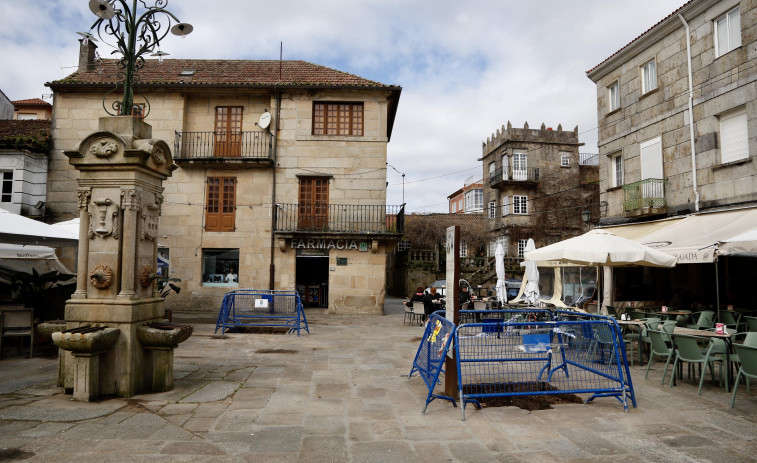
[
  {"x": 228, "y": 207},
  {"x": 228, "y": 131},
  {"x": 213, "y": 205},
  {"x": 221, "y": 204},
  {"x": 314, "y": 203}
]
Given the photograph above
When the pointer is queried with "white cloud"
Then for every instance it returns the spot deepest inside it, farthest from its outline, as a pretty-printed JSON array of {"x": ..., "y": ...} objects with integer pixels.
[{"x": 466, "y": 68}]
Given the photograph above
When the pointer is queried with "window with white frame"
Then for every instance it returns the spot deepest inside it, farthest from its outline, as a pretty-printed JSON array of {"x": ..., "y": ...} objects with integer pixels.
[
  {"x": 453, "y": 206},
  {"x": 6, "y": 193},
  {"x": 504, "y": 166},
  {"x": 520, "y": 165},
  {"x": 463, "y": 249},
  {"x": 613, "y": 96},
  {"x": 648, "y": 77},
  {"x": 564, "y": 160},
  {"x": 474, "y": 200},
  {"x": 492, "y": 209},
  {"x": 734, "y": 144},
  {"x": 728, "y": 32},
  {"x": 522, "y": 247},
  {"x": 505, "y": 206},
  {"x": 520, "y": 204},
  {"x": 492, "y": 170},
  {"x": 616, "y": 170}
]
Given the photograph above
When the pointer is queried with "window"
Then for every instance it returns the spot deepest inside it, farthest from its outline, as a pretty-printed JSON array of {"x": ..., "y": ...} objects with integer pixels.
[
  {"x": 403, "y": 245},
  {"x": 492, "y": 171},
  {"x": 616, "y": 170},
  {"x": 564, "y": 160},
  {"x": 505, "y": 206},
  {"x": 138, "y": 110},
  {"x": 453, "y": 206},
  {"x": 228, "y": 131},
  {"x": 26, "y": 116},
  {"x": 337, "y": 118},
  {"x": 733, "y": 137},
  {"x": 504, "y": 166},
  {"x": 651, "y": 168},
  {"x": 520, "y": 204},
  {"x": 6, "y": 195},
  {"x": 522, "y": 247},
  {"x": 520, "y": 165},
  {"x": 314, "y": 203},
  {"x": 463, "y": 249},
  {"x": 728, "y": 32},
  {"x": 221, "y": 204},
  {"x": 613, "y": 96},
  {"x": 220, "y": 267},
  {"x": 492, "y": 209},
  {"x": 648, "y": 77},
  {"x": 474, "y": 200}
]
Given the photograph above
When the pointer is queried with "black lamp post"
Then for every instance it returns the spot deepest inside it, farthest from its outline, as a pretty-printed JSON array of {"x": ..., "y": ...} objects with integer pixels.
[{"x": 136, "y": 33}]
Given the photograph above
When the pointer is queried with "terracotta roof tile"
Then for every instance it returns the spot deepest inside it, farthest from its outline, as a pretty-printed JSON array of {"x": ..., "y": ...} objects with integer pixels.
[
  {"x": 224, "y": 73},
  {"x": 640, "y": 36},
  {"x": 34, "y": 134},
  {"x": 31, "y": 102}
]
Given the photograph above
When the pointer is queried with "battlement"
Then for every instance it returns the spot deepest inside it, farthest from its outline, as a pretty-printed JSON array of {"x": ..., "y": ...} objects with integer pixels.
[{"x": 543, "y": 135}]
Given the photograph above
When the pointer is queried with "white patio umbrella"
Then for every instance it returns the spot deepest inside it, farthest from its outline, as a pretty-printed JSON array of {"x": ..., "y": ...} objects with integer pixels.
[
  {"x": 601, "y": 248},
  {"x": 531, "y": 292},
  {"x": 499, "y": 260},
  {"x": 16, "y": 229}
]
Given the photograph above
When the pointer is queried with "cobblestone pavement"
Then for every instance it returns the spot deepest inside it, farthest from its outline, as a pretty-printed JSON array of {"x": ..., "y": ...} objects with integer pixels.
[{"x": 341, "y": 394}]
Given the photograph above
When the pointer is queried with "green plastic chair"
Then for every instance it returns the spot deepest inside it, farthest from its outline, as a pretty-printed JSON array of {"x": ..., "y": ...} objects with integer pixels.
[
  {"x": 603, "y": 339},
  {"x": 658, "y": 346},
  {"x": 688, "y": 350},
  {"x": 705, "y": 320},
  {"x": 748, "y": 358},
  {"x": 612, "y": 311},
  {"x": 641, "y": 335},
  {"x": 732, "y": 322},
  {"x": 751, "y": 323},
  {"x": 637, "y": 315}
]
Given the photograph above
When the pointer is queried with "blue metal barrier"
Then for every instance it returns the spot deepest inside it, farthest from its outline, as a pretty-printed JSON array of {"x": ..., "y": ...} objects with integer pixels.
[
  {"x": 429, "y": 360},
  {"x": 572, "y": 354},
  {"x": 262, "y": 308}
]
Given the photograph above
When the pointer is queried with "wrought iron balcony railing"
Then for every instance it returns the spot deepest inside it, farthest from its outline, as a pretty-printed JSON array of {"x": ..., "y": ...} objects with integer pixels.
[
  {"x": 644, "y": 193},
  {"x": 530, "y": 174},
  {"x": 340, "y": 218},
  {"x": 220, "y": 146}
]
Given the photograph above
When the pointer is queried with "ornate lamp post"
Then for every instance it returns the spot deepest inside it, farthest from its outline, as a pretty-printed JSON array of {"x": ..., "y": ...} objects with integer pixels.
[{"x": 135, "y": 34}]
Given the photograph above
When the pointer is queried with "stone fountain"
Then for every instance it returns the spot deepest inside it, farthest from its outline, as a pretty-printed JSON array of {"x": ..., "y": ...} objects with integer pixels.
[{"x": 121, "y": 173}]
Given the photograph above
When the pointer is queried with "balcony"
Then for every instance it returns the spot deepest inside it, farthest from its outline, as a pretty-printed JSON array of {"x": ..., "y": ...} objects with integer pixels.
[
  {"x": 645, "y": 197},
  {"x": 219, "y": 148},
  {"x": 340, "y": 219},
  {"x": 525, "y": 177}
]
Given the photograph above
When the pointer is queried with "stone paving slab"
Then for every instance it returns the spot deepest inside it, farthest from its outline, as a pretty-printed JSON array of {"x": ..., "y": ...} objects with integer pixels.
[{"x": 342, "y": 394}]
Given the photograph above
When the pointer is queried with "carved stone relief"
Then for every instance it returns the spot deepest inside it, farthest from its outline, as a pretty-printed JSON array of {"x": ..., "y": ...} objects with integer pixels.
[
  {"x": 146, "y": 276},
  {"x": 148, "y": 223},
  {"x": 101, "y": 276},
  {"x": 104, "y": 148},
  {"x": 103, "y": 218}
]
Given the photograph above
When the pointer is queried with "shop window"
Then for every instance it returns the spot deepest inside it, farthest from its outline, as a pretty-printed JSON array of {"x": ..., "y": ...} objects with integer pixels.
[{"x": 220, "y": 267}]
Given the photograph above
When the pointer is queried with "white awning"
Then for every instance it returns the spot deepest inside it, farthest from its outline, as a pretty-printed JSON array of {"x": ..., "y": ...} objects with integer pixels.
[
  {"x": 17, "y": 258},
  {"x": 698, "y": 238},
  {"x": 17, "y": 229}
]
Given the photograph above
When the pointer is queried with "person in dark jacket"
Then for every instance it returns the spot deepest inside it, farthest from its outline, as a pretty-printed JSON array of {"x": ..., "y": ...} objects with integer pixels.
[
  {"x": 429, "y": 306},
  {"x": 416, "y": 298}
]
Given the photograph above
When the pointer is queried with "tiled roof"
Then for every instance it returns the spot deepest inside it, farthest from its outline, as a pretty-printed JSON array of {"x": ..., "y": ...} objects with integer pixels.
[
  {"x": 31, "y": 102},
  {"x": 224, "y": 73},
  {"x": 642, "y": 35},
  {"x": 33, "y": 134}
]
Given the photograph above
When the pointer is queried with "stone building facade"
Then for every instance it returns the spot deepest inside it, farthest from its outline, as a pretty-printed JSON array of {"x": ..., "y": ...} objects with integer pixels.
[
  {"x": 280, "y": 180},
  {"x": 537, "y": 185},
  {"x": 678, "y": 99}
]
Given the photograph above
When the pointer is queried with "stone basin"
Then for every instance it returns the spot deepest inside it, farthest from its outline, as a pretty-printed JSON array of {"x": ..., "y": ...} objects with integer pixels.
[
  {"x": 86, "y": 339},
  {"x": 163, "y": 335},
  {"x": 51, "y": 326}
]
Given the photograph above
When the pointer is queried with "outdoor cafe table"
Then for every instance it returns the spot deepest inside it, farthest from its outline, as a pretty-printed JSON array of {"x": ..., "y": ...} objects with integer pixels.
[
  {"x": 638, "y": 325},
  {"x": 673, "y": 313},
  {"x": 712, "y": 334}
]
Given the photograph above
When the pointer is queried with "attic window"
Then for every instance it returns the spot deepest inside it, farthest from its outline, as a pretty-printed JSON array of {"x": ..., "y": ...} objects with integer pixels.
[{"x": 188, "y": 72}]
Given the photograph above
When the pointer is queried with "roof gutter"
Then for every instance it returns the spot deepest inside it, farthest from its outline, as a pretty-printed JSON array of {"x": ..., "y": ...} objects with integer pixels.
[{"x": 691, "y": 117}]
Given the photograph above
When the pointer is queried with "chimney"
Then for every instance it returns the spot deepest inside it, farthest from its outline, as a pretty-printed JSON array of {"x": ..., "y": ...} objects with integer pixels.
[{"x": 86, "y": 55}]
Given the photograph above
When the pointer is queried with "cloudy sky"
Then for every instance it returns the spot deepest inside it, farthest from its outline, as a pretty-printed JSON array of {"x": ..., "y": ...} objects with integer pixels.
[{"x": 465, "y": 67}]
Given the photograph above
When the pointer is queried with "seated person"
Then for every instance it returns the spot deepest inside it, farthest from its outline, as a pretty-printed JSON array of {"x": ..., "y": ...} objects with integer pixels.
[
  {"x": 465, "y": 298},
  {"x": 231, "y": 277},
  {"x": 429, "y": 306}
]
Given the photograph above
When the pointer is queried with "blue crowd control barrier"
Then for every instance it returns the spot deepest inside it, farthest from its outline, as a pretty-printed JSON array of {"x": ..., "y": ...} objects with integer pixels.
[
  {"x": 262, "y": 308},
  {"x": 429, "y": 360},
  {"x": 572, "y": 354}
]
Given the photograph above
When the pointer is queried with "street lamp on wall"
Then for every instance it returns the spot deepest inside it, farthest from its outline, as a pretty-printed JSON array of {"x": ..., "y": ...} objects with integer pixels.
[
  {"x": 586, "y": 215},
  {"x": 135, "y": 34}
]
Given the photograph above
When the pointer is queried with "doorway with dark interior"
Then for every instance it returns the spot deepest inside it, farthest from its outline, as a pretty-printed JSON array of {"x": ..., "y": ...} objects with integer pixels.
[{"x": 312, "y": 280}]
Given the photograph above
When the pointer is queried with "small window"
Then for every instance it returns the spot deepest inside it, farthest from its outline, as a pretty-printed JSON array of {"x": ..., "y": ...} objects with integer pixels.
[
  {"x": 616, "y": 170},
  {"x": 520, "y": 204},
  {"x": 188, "y": 72},
  {"x": 221, "y": 204},
  {"x": 220, "y": 267},
  {"x": 728, "y": 32},
  {"x": 565, "y": 160},
  {"x": 648, "y": 77},
  {"x": 463, "y": 249},
  {"x": 522, "y": 247},
  {"x": 6, "y": 195},
  {"x": 138, "y": 110},
  {"x": 492, "y": 209},
  {"x": 505, "y": 206},
  {"x": 613, "y": 96},
  {"x": 403, "y": 245},
  {"x": 337, "y": 118},
  {"x": 734, "y": 144}
]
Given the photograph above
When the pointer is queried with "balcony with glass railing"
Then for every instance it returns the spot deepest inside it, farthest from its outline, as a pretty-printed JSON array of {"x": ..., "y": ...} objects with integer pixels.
[
  {"x": 644, "y": 197},
  {"x": 222, "y": 147}
]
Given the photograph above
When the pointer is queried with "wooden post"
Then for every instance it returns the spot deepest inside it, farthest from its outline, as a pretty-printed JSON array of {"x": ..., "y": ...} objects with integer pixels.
[{"x": 452, "y": 294}]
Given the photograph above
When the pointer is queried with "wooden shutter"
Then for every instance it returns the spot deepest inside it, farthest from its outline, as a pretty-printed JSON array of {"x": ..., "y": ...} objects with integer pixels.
[
  {"x": 221, "y": 204},
  {"x": 313, "y": 203},
  {"x": 228, "y": 131}
]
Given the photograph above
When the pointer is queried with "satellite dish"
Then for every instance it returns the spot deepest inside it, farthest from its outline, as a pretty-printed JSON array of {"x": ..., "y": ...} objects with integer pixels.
[{"x": 265, "y": 120}]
